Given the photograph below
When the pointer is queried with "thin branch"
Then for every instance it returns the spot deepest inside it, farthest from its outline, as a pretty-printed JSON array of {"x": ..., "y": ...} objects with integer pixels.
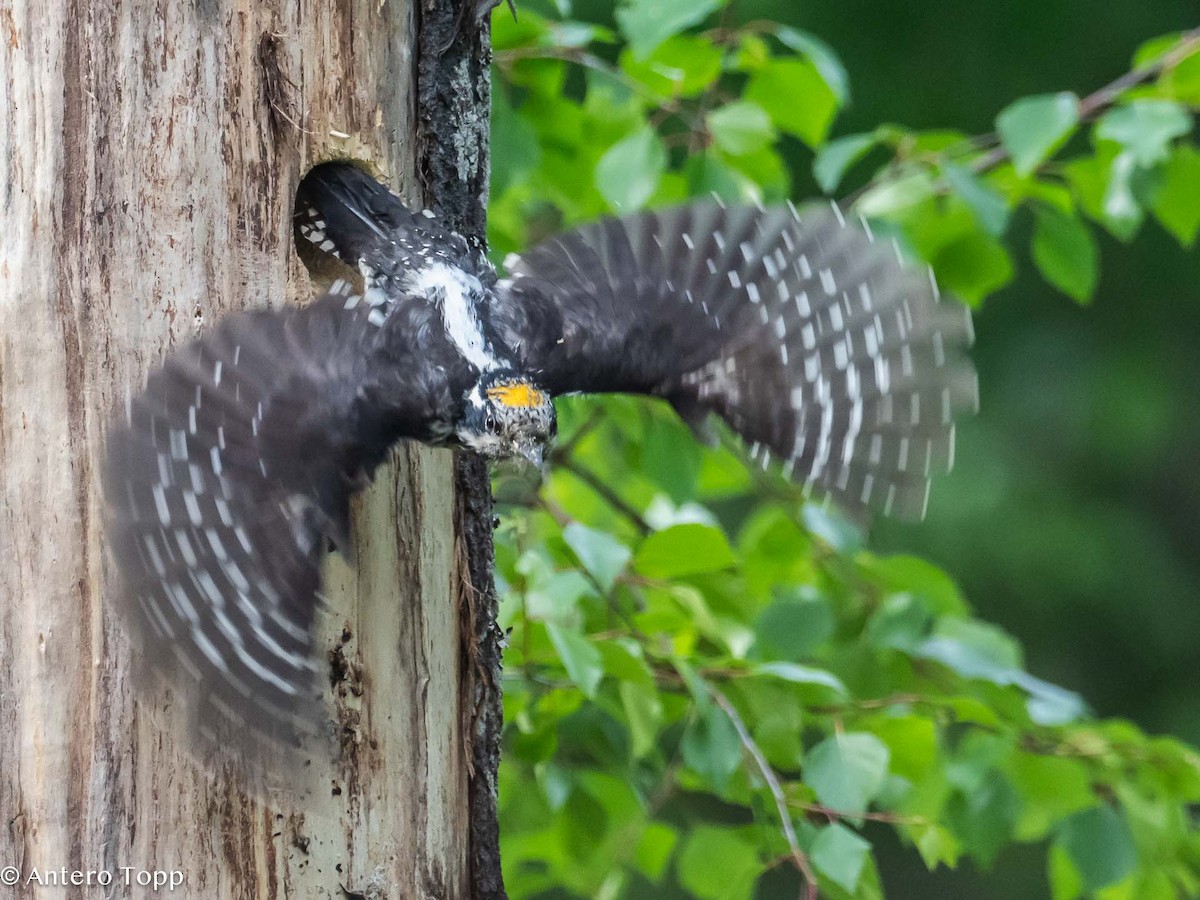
[
  {"x": 606, "y": 493},
  {"x": 1091, "y": 107},
  {"x": 834, "y": 815},
  {"x": 1100, "y": 101},
  {"x": 874, "y": 703},
  {"x": 799, "y": 857}
]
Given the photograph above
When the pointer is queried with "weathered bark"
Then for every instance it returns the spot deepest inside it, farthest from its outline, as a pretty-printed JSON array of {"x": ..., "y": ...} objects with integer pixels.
[
  {"x": 152, "y": 152},
  {"x": 454, "y": 105}
]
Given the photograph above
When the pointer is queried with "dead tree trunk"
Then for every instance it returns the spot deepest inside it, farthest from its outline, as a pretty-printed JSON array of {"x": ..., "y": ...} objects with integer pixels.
[{"x": 152, "y": 149}]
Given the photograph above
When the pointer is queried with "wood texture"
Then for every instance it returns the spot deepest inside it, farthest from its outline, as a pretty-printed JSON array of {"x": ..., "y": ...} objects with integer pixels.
[{"x": 153, "y": 150}]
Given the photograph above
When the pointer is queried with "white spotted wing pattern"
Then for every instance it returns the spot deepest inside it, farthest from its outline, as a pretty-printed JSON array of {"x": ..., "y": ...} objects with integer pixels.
[
  {"x": 226, "y": 479},
  {"x": 834, "y": 360},
  {"x": 827, "y": 352}
]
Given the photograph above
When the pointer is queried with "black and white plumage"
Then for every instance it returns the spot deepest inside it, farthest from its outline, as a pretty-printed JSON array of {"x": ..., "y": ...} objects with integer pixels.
[{"x": 233, "y": 469}]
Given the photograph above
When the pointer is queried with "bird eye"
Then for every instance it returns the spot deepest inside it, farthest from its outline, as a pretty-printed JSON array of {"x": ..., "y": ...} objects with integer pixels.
[{"x": 490, "y": 423}]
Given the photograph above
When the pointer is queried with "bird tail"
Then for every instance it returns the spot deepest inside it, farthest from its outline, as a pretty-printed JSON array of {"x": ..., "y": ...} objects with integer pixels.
[{"x": 345, "y": 212}]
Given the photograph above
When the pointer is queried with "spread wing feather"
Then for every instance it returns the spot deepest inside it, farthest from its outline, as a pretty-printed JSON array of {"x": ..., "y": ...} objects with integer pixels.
[
  {"x": 226, "y": 479},
  {"x": 812, "y": 339}
]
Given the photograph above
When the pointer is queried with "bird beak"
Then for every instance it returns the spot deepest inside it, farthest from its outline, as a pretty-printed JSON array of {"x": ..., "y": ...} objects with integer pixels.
[{"x": 532, "y": 454}]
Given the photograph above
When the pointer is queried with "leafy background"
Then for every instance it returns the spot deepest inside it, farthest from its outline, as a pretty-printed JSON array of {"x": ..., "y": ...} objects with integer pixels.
[{"x": 714, "y": 690}]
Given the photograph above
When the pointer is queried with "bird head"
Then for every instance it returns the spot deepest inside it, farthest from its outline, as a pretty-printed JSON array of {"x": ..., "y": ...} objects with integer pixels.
[{"x": 507, "y": 415}]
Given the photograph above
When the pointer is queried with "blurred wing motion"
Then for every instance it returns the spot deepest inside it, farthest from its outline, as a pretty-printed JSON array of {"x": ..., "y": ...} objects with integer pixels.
[
  {"x": 811, "y": 338},
  {"x": 227, "y": 478}
]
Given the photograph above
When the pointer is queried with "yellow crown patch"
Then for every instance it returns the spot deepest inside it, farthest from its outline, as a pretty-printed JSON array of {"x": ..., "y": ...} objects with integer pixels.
[{"x": 516, "y": 394}]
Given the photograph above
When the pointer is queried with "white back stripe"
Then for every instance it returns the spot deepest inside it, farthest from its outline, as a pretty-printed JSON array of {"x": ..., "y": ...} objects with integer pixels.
[{"x": 453, "y": 288}]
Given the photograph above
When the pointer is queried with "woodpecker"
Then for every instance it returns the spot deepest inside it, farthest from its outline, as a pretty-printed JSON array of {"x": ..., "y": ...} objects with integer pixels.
[{"x": 229, "y": 475}]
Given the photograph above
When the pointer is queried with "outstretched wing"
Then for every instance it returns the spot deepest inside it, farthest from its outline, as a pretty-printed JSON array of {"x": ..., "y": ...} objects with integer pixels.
[
  {"x": 225, "y": 481},
  {"x": 811, "y": 338}
]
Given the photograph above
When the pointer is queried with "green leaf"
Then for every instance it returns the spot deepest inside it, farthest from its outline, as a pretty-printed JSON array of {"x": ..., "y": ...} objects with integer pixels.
[
  {"x": 1182, "y": 81},
  {"x": 708, "y": 174},
  {"x": 1100, "y": 844},
  {"x": 643, "y": 715},
  {"x": 625, "y": 661},
  {"x": 647, "y": 23},
  {"x": 796, "y": 97},
  {"x": 740, "y": 127},
  {"x": 1065, "y": 252},
  {"x": 602, "y": 555},
  {"x": 836, "y": 157},
  {"x": 822, "y": 56},
  {"x": 718, "y": 864},
  {"x": 840, "y": 854},
  {"x": 555, "y": 597},
  {"x": 977, "y": 650},
  {"x": 973, "y": 266},
  {"x": 696, "y": 685},
  {"x": 793, "y": 628},
  {"x": 628, "y": 174},
  {"x": 776, "y": 721},
  {"x": 579, "y": 657},
  {"x": 752, "y": 53},
  {"x": 1145, "y": 128},
  {"x": 1065, "y": 881},
  {"x": 988, "y": 206},
  {"x": 711, "y": 746},
  {"x": 894, "y": 195},
  {"x": 680, "y": 67},
  {"x": 937, "y": 845},
  {"x": 794, "y": 673},
  {"x": 684, "y": 550},
  {"x": 765, "y": 171},
  {"x": 555, "y": 783},
  {"x": 983, "y": 817},
  {"x": 654, "y": 848},
  {"x": 1103, "y": 186},
  {"x": 1051, "y": 787},
  {"x": 1032, "y": 128},
  {"x": 832, "y": 526},
  {"x": 1154, "y": 49},
  {"x": 922, "y": 579},
  {"x": 671, "y": 458},
  {"x": 912, "y": 743},
  {"x": 901, "y": 623},
  {"x": 847, "y": 771},
  {"x": 508, "y": 32},
  {"x": 973, "y": 649},
  {"x": 1049, "y": 704},
  {"x": 580, "y": 34},
  {"x": 1122, "y": 210},
  {"x": 1176, "y": 202}
]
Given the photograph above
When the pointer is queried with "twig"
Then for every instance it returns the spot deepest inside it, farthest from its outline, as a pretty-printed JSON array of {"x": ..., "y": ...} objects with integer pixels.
[
  {"x": 874, "y": 703},
  {"x": 834, "y": 815},
  {"x": 1101, "y": 100},
  {"x": 606, "y": 493},
  {"x": 798, "y": 856},
  {"x": 1091, "y": 107}
]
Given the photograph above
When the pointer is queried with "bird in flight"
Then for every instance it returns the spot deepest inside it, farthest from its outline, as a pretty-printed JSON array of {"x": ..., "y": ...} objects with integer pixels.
[{"x": 230, "y": 474}]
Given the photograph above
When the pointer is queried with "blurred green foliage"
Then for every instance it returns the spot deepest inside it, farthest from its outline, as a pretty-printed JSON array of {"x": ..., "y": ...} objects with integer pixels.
[{"x": 714, "y": 689}]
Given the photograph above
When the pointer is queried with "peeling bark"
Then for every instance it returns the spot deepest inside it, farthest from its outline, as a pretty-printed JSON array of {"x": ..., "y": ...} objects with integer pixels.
[{"x": 153, "y": 148}]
